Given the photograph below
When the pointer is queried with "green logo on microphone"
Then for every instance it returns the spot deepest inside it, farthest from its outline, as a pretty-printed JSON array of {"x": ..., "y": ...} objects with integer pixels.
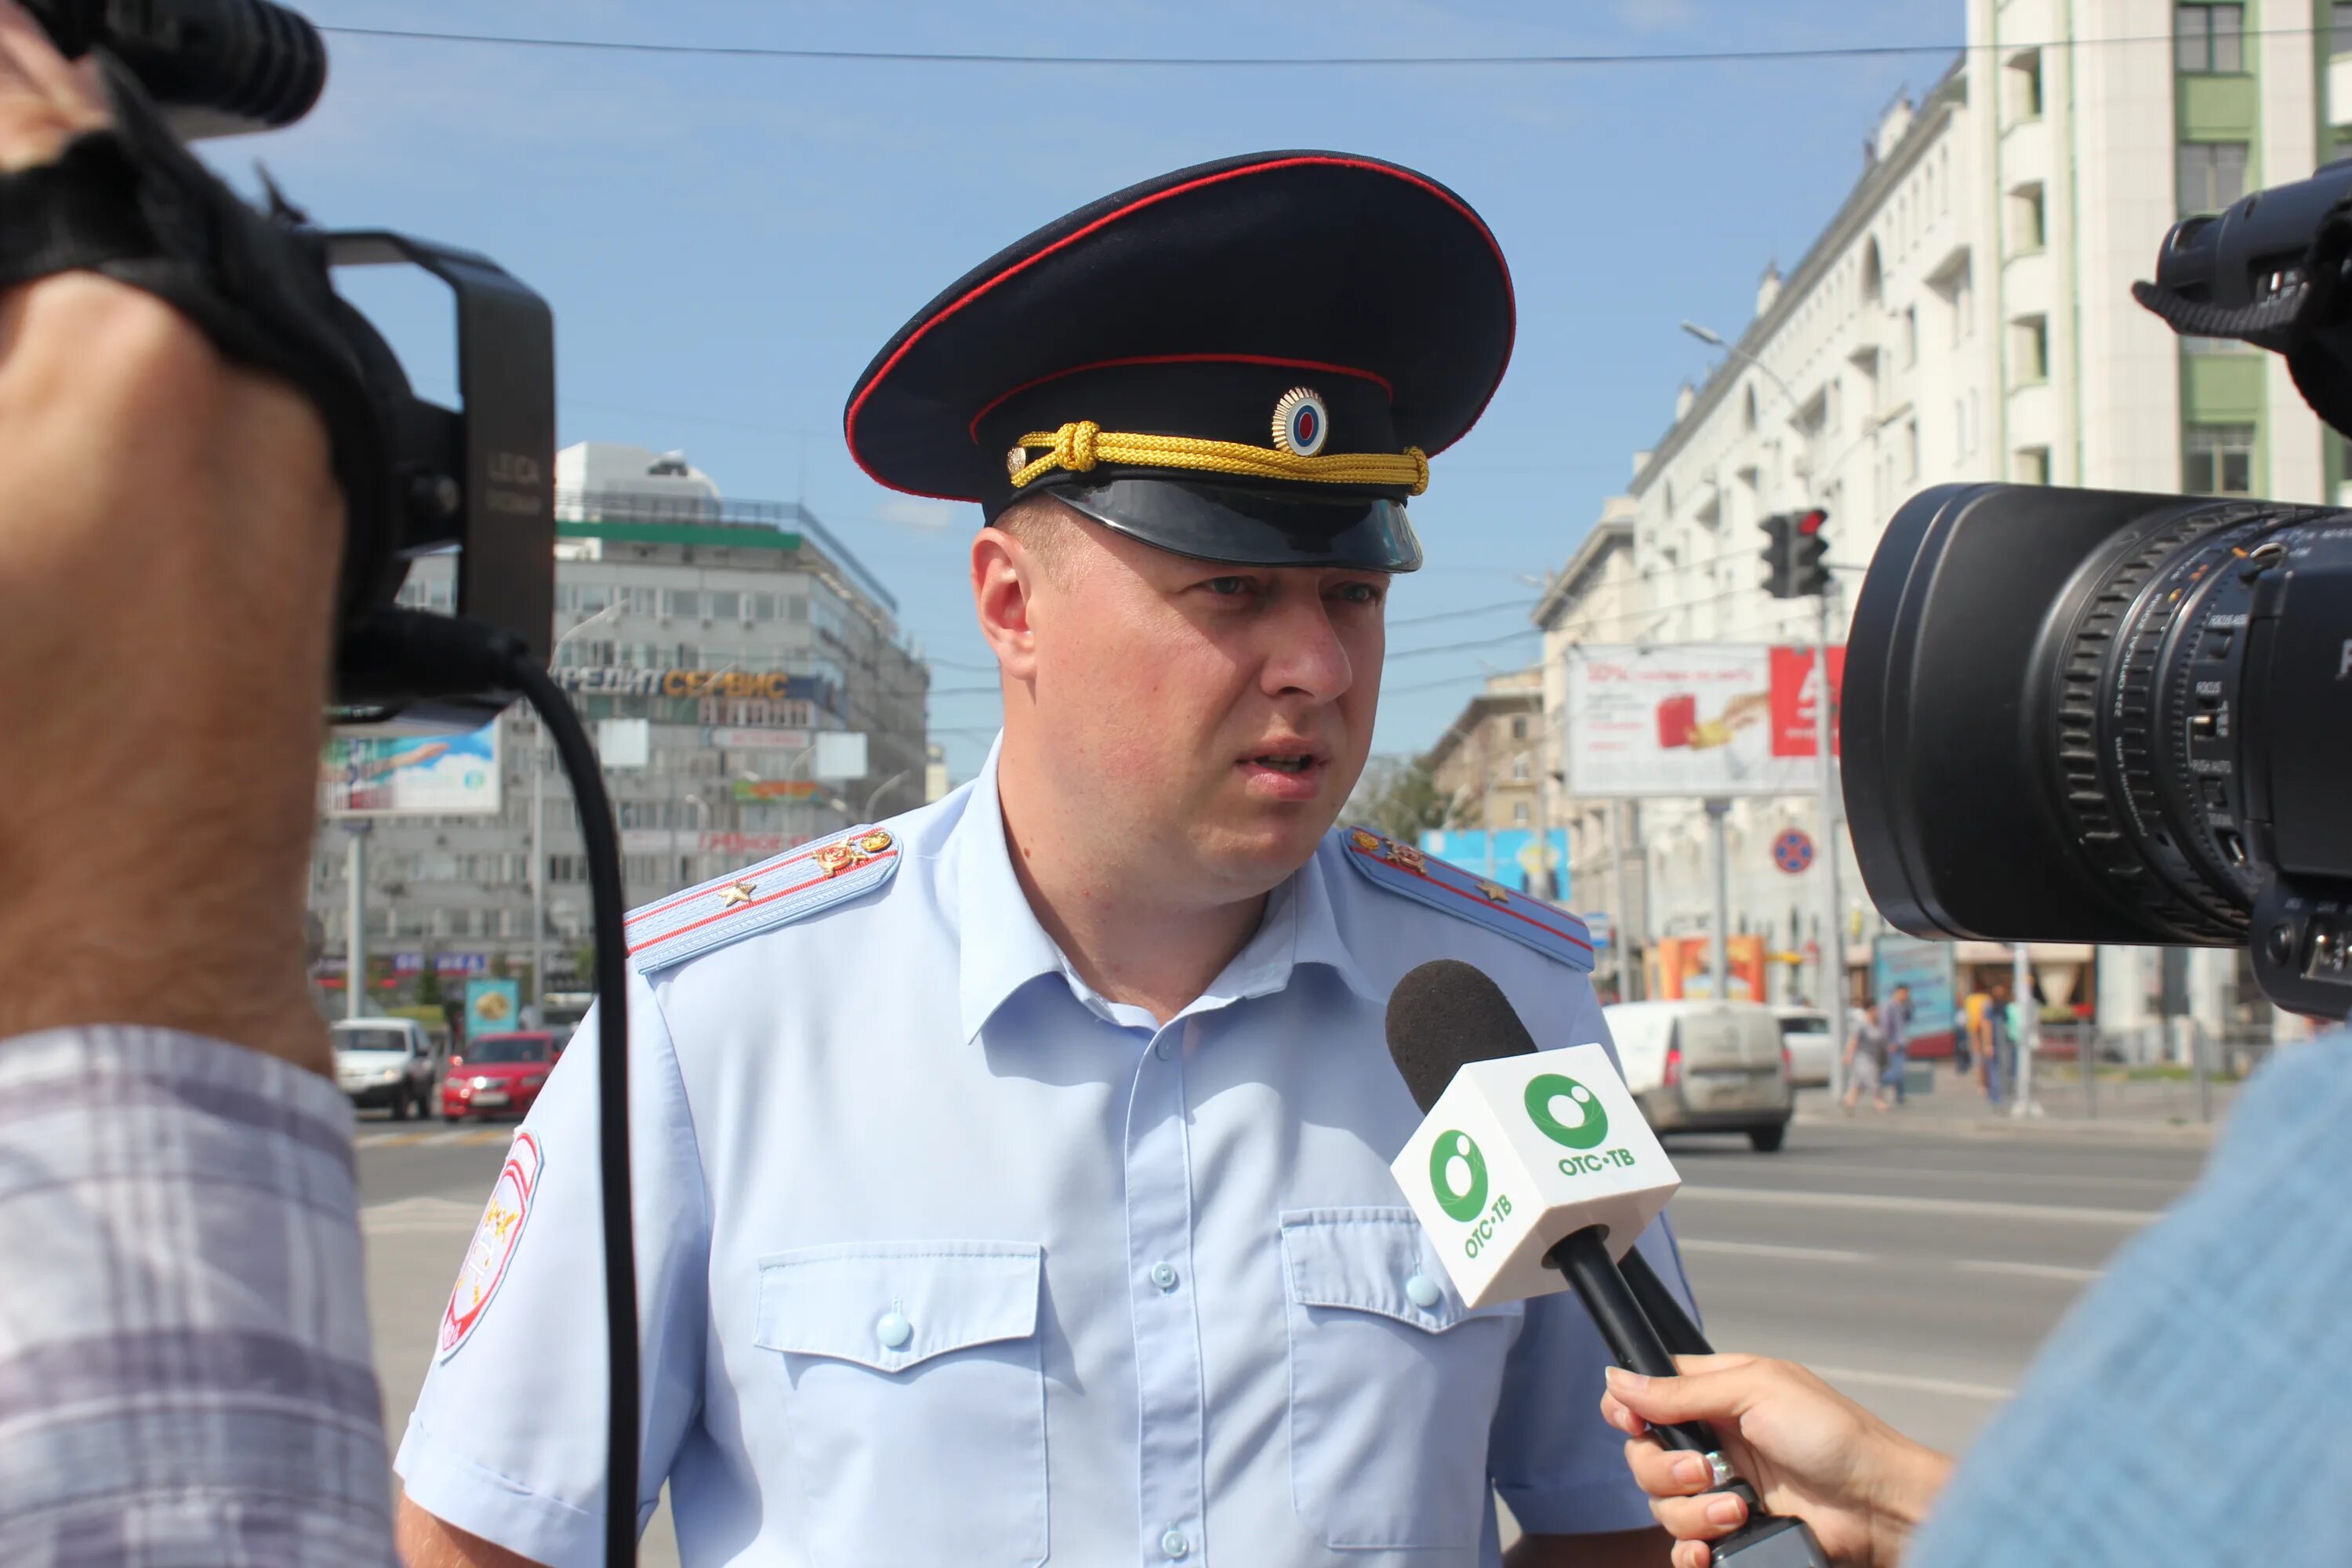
[
  {"x": 1460, "y": 1194},
  {"x": 1592, "y": 1119}
]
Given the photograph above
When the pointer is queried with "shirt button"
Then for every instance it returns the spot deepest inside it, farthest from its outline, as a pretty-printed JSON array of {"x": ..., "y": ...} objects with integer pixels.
[
  {"x": 1164, "y": 1276},
  {"x": 1422, "y": 1292},
  {"x": 1173, "y": 1543},
  {"x": 1164, "y": 1050},
  {"x": 894, "y": 1331}
]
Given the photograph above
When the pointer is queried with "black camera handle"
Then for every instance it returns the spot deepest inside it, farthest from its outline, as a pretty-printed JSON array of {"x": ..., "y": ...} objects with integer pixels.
[{"x": 450, "y": 653}]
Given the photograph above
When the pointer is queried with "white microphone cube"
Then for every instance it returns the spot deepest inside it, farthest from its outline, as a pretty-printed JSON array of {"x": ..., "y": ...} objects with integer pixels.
[{"x": 1522, "y": 1151}]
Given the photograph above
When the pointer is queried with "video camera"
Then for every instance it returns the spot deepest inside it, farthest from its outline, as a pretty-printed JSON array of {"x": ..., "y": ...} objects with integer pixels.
[
  {"x": 2091, "y": 716},
  {"x": 478, "y": 479}
]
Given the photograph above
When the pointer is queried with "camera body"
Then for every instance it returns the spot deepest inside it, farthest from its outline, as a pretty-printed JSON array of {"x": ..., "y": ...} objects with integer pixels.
[
  {"x": 477, "y": 479},
  {"x": 2095, "y": 716}
]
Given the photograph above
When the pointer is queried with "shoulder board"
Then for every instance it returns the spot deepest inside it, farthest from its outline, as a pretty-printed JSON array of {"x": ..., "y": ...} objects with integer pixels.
[
  {"x": 1416, "y": 874},
  {"x": 791, "y": 887}
]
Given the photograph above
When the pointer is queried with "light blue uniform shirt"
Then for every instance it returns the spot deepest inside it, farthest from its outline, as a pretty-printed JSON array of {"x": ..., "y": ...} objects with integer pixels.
[{"x": 944, "y": 1258}]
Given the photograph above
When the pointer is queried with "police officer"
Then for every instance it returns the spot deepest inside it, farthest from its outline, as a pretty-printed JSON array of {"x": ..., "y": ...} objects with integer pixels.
[{"x": 1012, "y": 1176}]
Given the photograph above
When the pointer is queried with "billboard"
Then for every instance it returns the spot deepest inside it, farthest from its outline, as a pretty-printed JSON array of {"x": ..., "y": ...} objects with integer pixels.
[
  {"x": 1927, "y": 968},
  {"x": 1524, "y": 860},
  {"x": 1707, "y": 720},
  {"x": 401, "y": 775},
  {"x": 492, "y": 1007}
]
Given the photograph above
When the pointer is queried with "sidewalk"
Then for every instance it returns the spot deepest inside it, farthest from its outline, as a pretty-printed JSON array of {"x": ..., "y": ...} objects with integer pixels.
[{"x": 2166, "y": 1112}]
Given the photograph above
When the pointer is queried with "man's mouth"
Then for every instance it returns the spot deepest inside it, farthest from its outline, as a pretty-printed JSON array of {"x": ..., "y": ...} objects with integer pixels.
[{"x": 1296, "y": 763}]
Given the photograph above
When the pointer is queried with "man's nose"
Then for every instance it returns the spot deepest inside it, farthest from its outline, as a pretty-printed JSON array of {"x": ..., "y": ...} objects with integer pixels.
[{"x": 1307, "y": 657}]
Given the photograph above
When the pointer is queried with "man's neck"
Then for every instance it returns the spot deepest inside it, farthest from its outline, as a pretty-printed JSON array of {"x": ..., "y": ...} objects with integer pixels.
[{"x": 1129, "y": 947}]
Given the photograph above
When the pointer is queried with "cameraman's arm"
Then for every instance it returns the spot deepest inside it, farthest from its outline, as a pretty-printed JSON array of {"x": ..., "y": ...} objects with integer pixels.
[{"x": 185, "y": 1366}]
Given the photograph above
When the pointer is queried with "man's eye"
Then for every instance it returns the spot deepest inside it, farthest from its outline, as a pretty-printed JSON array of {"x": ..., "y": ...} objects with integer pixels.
[
  {"x": 1227, "y": 587},
  {"x": 1359, "y": 592}
]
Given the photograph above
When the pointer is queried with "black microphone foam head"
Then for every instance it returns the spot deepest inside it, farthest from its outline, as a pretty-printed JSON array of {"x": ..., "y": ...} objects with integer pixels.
[{"x": 1446, "y": 1012}]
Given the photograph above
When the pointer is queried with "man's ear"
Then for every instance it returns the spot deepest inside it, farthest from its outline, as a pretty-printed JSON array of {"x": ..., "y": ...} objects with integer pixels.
[{"x": 1006, "y": 579}]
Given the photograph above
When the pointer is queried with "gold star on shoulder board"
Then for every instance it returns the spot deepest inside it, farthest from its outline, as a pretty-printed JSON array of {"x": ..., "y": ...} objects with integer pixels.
[
  {"x": 735, "y": 893},
  {"x": 1495, "y": 893}
]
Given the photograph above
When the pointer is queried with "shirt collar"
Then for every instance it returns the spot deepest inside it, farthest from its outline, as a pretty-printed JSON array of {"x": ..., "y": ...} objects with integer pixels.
[{"x": 1003, "y": 947}]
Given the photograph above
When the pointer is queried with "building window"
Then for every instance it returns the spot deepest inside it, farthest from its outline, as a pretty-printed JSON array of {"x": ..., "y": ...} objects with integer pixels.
[
  {"x": 1911, "y": 335},
  {"x": 2027, "y": 214},
  {"x": 2025, "y": 85},
  {"x": 2209, "y": 39},
  {"x": 1518, "y": 770},
  {"x": 644, "y": 601},
  {"x": 2032, "y": 349},
  {"x": 2033, "y": 465},
  {"x": 2218, "y": 459},
  {"x": 1910, "y": 451},
  {"x": 1519, "y": 813},
  {"x": 2212, "y": 175},
  {"x": 2339, "y": 28},
  {"x": 1519, "y": 729},
  {"x": 682, "y": 602}
]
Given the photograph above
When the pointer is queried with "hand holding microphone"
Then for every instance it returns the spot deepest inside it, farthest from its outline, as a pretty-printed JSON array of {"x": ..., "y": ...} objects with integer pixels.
[
  {"x": 1535, "y": 1172},
  {"x": 1811, "y": 1452}
]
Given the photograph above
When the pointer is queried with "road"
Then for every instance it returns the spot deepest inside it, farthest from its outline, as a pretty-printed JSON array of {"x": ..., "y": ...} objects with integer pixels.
[{"x": 1917, "y": 1269}]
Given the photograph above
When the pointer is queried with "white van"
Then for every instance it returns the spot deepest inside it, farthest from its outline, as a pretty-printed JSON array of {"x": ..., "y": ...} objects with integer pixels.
[{"x": 1705, "y": 1067}]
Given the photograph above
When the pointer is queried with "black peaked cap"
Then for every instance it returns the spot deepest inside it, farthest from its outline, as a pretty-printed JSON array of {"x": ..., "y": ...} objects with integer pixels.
[{"x": 1209, "y": 303}]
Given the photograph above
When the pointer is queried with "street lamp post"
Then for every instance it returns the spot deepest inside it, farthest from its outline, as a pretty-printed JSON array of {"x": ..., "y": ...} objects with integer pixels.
[{"x": 1831, "y": 967}]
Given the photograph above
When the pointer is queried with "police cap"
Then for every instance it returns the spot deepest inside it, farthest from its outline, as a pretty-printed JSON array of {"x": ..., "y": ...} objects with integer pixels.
[{"x": 1251, "y": 361}]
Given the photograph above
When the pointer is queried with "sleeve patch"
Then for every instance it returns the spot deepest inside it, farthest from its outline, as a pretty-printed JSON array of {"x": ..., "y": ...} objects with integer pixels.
[
  {"x": 494, "y": 1244},
  {"x": 792, "y": 886},
  {"x": 1413, "y": 873}
]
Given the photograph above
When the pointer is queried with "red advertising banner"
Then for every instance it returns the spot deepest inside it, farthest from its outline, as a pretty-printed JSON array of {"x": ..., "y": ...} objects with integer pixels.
[{"x": 1795, "y": 698}]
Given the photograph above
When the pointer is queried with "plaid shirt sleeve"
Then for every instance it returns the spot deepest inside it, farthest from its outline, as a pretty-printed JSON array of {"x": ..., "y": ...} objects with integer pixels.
[{"x": 185, "y": 1374}]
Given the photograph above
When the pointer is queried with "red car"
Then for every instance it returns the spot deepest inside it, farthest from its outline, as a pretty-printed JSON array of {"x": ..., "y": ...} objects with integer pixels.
[{"x": 497, "y": 1075}]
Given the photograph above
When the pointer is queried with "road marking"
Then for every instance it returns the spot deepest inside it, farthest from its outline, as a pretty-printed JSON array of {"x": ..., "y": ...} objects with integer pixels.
[
  {"x": 2026, "y": 1270},
  {"x": 1964, "y": 1208},
  {"x": 418, "y": 1216},
  {"x": 470, "y": 1136},
  {"x": 1843, "y": 1374},
  {"x": 1767, "y": 1250}
]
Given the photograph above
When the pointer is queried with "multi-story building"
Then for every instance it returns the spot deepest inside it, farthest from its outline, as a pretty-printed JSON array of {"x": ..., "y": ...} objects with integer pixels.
[
  {"x": 1596, "y": 598},
  {"x": 1490, "y": 761},
  {"x": 734, "y": 634},
  {"x": 1967, "y": 314}
]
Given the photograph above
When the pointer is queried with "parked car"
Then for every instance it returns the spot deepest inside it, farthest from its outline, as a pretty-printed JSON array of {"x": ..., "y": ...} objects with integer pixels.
[
  {"x": 498, "y": 1075},
  {"x": 385, "y": 1063},
  {"x": 1705, "y": 1067},
  {"x": 1812, "y": 1052}
]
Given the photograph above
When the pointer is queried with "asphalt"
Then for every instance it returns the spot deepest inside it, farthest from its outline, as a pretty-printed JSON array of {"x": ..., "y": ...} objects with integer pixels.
[{"x": 1914, "y": 1261}]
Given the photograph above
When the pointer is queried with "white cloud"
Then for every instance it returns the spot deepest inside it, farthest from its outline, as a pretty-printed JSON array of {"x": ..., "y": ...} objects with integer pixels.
[{"x": 916, "y": 515}]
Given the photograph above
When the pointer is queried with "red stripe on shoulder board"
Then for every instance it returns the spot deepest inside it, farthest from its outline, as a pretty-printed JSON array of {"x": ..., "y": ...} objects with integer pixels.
[
  {"x": 763, "y": 868},
  {"x": 1473, "y": 896},
  {"x": 755, "y": 903}
]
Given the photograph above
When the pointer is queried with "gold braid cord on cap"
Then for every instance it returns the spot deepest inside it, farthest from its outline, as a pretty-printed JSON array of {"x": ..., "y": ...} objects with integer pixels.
[{"x": 1078, "y": 447}]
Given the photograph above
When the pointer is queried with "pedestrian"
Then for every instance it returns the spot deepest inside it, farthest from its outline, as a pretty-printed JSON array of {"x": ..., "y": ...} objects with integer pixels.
[
  {"x": 1968, "y": 1042},
  {"x": 1866, "y": 1056},
  {"x": 1894, "y": 1028},
  {"x": 2000, "y": 1054},
  {"x": 1013, "y": 1176}
]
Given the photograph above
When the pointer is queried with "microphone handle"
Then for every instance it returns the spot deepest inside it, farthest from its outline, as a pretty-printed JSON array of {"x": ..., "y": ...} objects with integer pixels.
[
  {"x": 1633, "y": 1340},
  {"x": 1675, "y": 1326},
  {"x": 1616, "y": 1300}
]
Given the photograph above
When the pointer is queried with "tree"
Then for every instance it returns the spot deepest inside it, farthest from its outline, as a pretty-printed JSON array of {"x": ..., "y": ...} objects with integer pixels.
[
  {"x": 1407, "y": 803},
  {"x": 429, "y": 993}
]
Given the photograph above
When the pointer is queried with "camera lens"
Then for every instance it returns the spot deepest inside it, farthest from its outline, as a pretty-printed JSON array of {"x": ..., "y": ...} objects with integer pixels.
[{"x": 2067, "y": 717}]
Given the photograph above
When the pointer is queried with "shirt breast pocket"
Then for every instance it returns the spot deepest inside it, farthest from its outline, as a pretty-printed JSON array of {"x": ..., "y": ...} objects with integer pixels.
[
  {"x": 1393, "y": 1384},
  {"x": 914, "y": 1401}
]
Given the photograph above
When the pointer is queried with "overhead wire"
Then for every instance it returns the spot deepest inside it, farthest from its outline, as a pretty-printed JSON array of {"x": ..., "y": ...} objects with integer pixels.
[{"x": 1598, "y": 58}]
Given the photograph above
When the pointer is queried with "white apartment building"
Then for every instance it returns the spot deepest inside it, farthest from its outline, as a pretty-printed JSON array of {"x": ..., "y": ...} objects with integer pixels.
[{"x": 1967, "y": 315}]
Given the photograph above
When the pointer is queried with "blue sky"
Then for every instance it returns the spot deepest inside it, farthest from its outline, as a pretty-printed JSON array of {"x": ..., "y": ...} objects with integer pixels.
[{"x": 727, "y": 241}]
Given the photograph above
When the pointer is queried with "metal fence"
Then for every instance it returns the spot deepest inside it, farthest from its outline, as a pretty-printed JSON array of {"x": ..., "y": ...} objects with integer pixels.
[{"x": 2168, "y": 1069}]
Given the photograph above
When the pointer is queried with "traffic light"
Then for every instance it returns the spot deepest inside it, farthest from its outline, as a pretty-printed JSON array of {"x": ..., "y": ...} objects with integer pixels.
[
  {"x": 1796, "y": 546},
  {"x": 1780, "y": 554},
  {"x": 1810, "y": 572}
]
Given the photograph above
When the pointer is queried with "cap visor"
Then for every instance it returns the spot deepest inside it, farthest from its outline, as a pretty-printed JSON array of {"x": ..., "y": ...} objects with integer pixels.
[{"x": 1251, "y": 528}]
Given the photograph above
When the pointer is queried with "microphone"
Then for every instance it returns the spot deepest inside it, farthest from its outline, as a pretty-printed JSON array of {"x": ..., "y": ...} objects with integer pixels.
[{"x": 1534, "y": 1171}]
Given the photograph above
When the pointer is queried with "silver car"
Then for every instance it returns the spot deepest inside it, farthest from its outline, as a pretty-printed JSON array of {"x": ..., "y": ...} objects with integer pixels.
[{"x": 386, "y": 1063}]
